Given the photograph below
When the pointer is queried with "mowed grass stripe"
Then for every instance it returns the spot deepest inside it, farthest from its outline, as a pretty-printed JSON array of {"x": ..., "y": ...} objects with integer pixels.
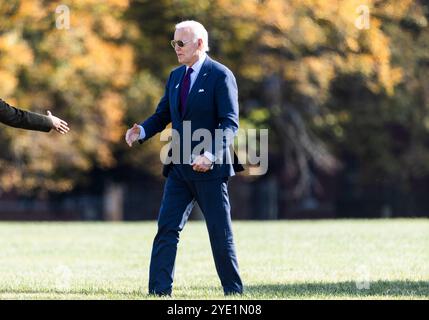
[{"x": 328, "y": 259}]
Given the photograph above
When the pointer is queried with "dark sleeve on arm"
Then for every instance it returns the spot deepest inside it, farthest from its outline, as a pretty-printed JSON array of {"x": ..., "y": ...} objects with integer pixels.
[
  {"x": 160, "y": 119},
  {"x": 226, "y": 96},
  {"x": 18, "y": 118}
]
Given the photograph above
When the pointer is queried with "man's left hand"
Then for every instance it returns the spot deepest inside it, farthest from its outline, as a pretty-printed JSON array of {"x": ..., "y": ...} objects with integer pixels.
[{"x": 201, "y": 164}]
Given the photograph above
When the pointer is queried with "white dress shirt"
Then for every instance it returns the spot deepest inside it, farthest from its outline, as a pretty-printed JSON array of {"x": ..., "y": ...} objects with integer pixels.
[{"x": 196, "y": 67}]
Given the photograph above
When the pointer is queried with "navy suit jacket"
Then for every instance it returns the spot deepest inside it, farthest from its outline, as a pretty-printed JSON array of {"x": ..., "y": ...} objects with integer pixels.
[{"x": 212, "y": 104}]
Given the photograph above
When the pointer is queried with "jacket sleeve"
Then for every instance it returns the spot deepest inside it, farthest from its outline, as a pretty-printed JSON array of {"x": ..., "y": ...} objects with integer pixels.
[
  {"x": 160, "y": 119},
  {"x": 18, "y": 118},
  {"x": 226, "y": 98}
]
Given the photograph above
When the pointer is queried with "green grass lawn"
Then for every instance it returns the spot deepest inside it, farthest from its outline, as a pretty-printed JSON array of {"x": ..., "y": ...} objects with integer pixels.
[{"x": 331, "y": 259}]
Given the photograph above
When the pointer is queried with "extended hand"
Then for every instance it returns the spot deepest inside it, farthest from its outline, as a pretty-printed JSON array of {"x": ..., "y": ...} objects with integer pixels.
[
  {"x": 59, "y": 125},
  {"x": 201, "y": 164},
  {"x": 132, "y": 134}
]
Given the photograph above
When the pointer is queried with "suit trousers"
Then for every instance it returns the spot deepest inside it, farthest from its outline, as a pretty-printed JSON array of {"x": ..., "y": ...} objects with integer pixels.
[{"x": 177, "y": 203}]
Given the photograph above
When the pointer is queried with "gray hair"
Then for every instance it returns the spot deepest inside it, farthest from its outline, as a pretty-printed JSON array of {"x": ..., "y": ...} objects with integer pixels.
[{"x": 197, "y": 29}]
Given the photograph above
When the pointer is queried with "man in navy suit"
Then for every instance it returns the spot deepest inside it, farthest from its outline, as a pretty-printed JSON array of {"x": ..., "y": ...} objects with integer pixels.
[{"x": 200, "y": 94}]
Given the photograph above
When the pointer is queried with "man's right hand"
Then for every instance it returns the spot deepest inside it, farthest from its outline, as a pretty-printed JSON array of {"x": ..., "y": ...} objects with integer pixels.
[
  {"x": 58, "y": 124},
  {"x": 132, "y": 134}
]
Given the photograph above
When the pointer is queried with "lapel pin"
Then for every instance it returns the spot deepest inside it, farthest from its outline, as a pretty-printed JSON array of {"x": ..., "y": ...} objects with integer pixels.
[{"x": 177, "y": 86}]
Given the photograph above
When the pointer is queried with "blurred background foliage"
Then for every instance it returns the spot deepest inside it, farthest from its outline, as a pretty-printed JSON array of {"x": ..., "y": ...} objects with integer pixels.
[{"x": 339, "y": 101}]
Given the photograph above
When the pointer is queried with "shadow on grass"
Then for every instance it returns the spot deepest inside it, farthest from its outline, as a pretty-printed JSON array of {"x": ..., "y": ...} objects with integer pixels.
[
  {"x": 341, "y": 289},
  {"x": 388, "y": 289}
]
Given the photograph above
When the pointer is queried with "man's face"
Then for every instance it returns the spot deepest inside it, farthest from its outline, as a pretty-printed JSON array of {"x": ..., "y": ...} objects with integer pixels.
[{"x": 189, "y": 53}]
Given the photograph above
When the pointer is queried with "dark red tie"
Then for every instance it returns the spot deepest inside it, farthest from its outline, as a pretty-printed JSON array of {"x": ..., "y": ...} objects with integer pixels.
[{"x": 184, "y": 90}]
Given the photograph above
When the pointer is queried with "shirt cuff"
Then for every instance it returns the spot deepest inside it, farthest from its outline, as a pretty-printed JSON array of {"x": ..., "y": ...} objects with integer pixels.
[
  {"x": 210, "y": 156},
  {"x": 142, "y": 133}
]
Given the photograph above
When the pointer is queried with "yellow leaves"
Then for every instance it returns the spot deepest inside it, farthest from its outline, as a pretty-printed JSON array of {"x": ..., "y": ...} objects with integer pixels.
[
  {"x": 111, "y": 27},
  {"x": 9, "y": 177},
  {"x": 278, "y": 14},
  {"x": 394, "y": 9},
  {"x": 8, "y": 40},
  {"x": 379, "y": 45},
  {"x": 380, "y": 73},
  {"x": 124, "y": 59},
  {"x": 356, "y": 63},
  {"x": 386, "y": 74},
  {"x": 240, "y": 8},
  {"x": 36, "y": 157},
  {"x": 8, "y": 83},
  {"x": 14, "y": 54},
  {"x": 106, "y": 61},
  {"x": 111, "y": 105},
  {"x": 322, "y": 9},
  {"x": 119, "y": 4},
  {"x": 348, "y": 12},
  {"x": 306, "y": 31},
  {"x": 84, "y": 69},
  {"x": 32, "y": 9},
  {"x": 110, "y": 4},
  {"x": 396, "y": 75},
  {"x": 321, "y": 69},
  {"x": 104, "y": 156},
  {"x": 89, "y": 69},
  {"x": 352, "y": 44},
  {"x": 253, "y": 71},
  {"x": 272, "y": 41},
  {"x": 80, "y": 50},
  {"x": 14, "y": 51},
  {"x": 389, "y": 77},
  {"x": 312, "y": 76}
]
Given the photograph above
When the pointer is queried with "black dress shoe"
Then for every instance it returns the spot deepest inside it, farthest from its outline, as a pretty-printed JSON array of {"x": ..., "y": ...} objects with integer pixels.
[
  {"x": 160, "y": 294},
  {"x": 233, "y": 293}
]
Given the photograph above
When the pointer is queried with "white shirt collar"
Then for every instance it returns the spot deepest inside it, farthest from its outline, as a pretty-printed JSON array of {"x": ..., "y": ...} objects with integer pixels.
[{"x": 197, "y": 65}]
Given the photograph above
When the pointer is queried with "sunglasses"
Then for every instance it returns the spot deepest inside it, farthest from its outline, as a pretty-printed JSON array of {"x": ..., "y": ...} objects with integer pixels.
[{"x": 180, "y": 43}]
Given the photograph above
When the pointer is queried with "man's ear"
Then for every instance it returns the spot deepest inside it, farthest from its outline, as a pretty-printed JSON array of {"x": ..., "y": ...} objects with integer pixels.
[{"x": 200, "y": 44}]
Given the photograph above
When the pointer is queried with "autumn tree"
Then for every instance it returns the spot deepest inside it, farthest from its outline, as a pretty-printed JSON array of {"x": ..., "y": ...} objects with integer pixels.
[{"x": 77, "y": 61}]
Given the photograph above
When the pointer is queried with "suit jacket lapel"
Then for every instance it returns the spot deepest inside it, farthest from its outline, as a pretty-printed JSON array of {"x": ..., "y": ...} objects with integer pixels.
[{"x": 202, "y": 75}]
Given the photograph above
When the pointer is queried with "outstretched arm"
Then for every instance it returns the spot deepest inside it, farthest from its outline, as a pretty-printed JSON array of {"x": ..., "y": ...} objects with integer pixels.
[
  {"x": 154, "y": 124},
  {"x": 18, "y": 118}
]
